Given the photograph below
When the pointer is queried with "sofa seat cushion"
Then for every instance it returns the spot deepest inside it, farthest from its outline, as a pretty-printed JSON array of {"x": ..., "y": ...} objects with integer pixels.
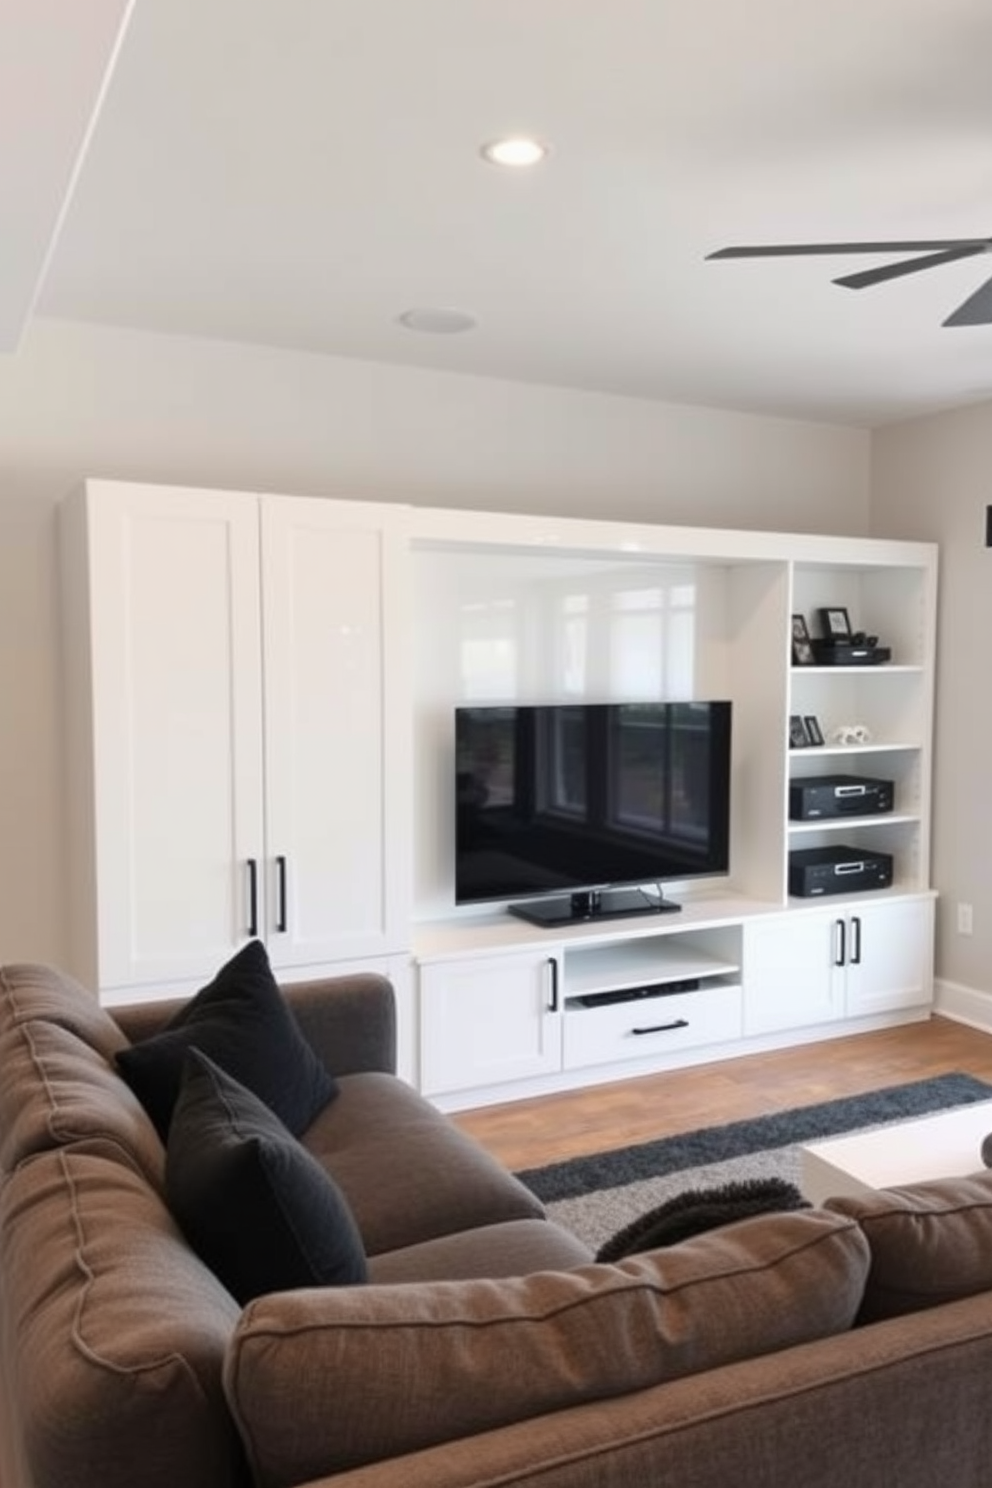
[
  {"x": 406, "y": 1170},
  {"x": 117, "y": 1329},
  {"x": 511, "y": 1249},
  {"x": 59, "y": 1083},
  {"x": 256, "y": 1206},
  {"x": 323, "y": 1381},
  {"x": 930, "y": 1243},
  {"x": 243, "y": 1022}
]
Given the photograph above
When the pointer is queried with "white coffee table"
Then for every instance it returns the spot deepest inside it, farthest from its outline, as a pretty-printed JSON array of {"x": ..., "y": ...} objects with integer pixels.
[{"x": 946, "y": 1145}]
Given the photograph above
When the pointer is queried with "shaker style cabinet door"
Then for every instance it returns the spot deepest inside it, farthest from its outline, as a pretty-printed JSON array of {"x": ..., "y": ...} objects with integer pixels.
[
  {"x": 165, "y": 744},
  {"x": 849, "y": 960},
  {"x": 489, "y": 1019},
  {"x": 889, "y": 954},
  {"x": 791, "y": 974},
  {"x": 337, "y": 731},
  {"x": 239, "y": 737}
]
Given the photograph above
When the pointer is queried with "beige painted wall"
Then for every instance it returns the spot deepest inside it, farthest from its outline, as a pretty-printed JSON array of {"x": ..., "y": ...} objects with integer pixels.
[
  {"x": 932, "y": 479},
  {"x": 80, "y": 401}
]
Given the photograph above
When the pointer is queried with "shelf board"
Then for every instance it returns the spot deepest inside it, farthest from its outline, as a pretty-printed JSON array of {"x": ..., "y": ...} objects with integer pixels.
[
  {"x": 609, "y": 968},
  {"x": 846, "y": 823},
  {"x": 888, "y": 667},
  {"x": 819, "y": 750}
]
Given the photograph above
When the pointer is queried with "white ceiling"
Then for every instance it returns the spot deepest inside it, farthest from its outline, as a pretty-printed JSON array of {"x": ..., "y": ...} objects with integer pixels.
[{"x": 297, "y": 173}]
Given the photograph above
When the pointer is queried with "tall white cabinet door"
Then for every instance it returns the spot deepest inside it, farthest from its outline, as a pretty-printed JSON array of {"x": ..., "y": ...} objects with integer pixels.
[
  {"x": 163, "y": 624},
  {"x": 337, "y": 730}
]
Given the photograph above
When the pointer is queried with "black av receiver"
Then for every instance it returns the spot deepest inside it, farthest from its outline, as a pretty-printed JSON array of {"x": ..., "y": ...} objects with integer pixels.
[
  {"x": 837, "y": 870},
  {"x": 824, "y": 796}
]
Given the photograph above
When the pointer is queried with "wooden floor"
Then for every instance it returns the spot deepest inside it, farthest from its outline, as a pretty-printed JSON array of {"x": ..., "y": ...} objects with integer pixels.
[{"x": 530, "y": 1133}]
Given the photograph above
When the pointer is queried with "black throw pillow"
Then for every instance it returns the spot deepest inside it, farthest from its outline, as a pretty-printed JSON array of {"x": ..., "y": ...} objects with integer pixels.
[
  {"x": 700, "y": 1209},
  {"x": 244, "y": 1023},
  {"x": 254, "y": 1204}
]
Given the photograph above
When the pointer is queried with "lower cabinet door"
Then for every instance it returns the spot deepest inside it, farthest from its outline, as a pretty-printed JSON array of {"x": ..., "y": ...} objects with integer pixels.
[
  {"x": 793, "y": 972},
  {"x": 849, "y": 961},
  {"x": 889, "y": 955},
  {"x": 488, "y": 1020}
]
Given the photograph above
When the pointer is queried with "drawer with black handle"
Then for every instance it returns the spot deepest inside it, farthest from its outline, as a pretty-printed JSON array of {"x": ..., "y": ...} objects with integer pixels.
[{"x": 647, "y": 1028}]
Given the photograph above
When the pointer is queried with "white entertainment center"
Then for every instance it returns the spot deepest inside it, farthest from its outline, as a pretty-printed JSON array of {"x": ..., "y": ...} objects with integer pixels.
[{"x": 261, "y": 694}]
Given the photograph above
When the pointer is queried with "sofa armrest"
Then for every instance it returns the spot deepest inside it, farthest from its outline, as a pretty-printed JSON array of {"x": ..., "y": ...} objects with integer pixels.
[{"x": 349, "y": 1020}]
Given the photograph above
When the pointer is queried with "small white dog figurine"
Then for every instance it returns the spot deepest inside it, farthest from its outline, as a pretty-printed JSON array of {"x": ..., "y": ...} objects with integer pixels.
[{"x": 851, "y": 733}]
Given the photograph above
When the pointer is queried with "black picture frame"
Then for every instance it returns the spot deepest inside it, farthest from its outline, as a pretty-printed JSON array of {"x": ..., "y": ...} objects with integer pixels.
[
  {"x": 835, "y": 623},
  {"x": 814, "y": 733},
  {"x": 802, "y": 647},
  {"x": 798, "y": 738}
]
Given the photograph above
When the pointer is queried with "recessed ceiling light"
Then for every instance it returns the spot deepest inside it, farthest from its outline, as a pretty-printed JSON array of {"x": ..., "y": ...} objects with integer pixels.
[
  {"x": 516, "y": 150},
  {"x": 436, "y": 320}
]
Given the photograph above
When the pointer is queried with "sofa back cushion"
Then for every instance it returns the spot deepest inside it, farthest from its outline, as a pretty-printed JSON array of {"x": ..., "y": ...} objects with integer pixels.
[
  {"x": 930, "y": 1243},
  {"x": 29, "y": 993},
  {"x": 322, "y": 1381},
  {"x": 117, "y": 1331},
  {"x": 60, "y": 1084}
]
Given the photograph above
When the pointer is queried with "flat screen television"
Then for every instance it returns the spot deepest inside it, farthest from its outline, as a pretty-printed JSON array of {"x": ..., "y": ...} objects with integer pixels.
[{"x": 575, "y": 808}]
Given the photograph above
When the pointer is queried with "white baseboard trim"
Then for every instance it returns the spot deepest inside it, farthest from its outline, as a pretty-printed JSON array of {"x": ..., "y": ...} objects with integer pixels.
[{"x": 963, "y": 1004}]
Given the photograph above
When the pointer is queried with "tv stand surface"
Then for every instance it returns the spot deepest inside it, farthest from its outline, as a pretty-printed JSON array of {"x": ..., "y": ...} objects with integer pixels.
[{"x": 592, "y": 904}]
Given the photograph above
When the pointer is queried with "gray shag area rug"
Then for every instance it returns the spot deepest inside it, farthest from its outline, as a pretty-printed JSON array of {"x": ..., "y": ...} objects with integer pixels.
[{"x": 596, "y": 1196}]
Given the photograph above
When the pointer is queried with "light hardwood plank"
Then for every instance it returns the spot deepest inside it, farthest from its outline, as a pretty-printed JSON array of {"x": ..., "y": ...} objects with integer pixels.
[{"x": 530, "y": 1133}]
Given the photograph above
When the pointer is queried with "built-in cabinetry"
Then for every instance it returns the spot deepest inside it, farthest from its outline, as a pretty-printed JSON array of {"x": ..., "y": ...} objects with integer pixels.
[
  {"x": 745, "y": 965},
  {"x": 570, "y": 1004},
  {"x": 845, "y": 960},
  {"x": 238, "y": 732},
  {"x": 261, "y": 696},
  {"x": 603, "y": 1002}
]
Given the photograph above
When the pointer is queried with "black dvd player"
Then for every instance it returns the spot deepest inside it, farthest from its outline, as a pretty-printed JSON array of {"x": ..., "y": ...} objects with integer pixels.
[
  {"x": 838, "y": 795},
  {"x": 637, "y": 994}
]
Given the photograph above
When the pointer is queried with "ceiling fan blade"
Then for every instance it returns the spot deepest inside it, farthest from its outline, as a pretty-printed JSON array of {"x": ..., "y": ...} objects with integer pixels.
[
  {"x": 976, "y": 309},
  {"x": 781, "y": 250},
  {"x": 868, "y": 277}
]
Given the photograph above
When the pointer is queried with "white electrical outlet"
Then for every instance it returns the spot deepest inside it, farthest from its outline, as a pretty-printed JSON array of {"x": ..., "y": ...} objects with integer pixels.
[{"x": 965, "y": 922}]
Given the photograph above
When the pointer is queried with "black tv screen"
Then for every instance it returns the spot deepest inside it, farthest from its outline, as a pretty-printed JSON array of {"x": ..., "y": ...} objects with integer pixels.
[{"x": 573, "y": 799}]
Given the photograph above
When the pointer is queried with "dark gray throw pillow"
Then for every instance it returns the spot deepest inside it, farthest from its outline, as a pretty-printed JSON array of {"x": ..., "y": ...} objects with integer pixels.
[
  {"x": 244, "y": 1023},
  {"x": 253, "y": 1203}
]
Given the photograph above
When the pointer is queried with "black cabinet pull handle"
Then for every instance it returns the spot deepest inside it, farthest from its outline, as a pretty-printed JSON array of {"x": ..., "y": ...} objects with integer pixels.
[
  {"x": 252, "y": 896},
  {"x": 281, "y": 921},
  {"x": 855, "y": 940},
  {"x": 840, "y": 942},
  {"x": 663, "y": 1027},
  {"x": 553, "y": 968}
]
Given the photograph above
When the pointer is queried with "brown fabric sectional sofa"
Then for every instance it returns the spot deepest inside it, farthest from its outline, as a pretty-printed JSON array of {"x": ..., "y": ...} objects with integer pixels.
[{"x": 485, "y": 1346}]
